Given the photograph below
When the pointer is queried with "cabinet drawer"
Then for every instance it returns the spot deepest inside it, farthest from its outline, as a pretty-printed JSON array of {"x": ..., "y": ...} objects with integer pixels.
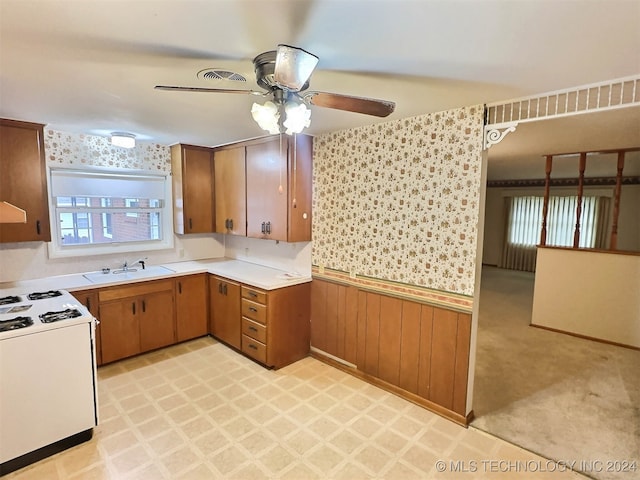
[
  {"x": 254, "y": 295},
  {"x": 254, "y": 311},
  {"x": 254, "y": 349},
  {"x": 254, "y": 330}
]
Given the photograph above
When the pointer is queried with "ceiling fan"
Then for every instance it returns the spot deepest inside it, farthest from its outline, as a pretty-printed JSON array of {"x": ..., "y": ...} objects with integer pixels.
[{"x": 284, "y": 75}]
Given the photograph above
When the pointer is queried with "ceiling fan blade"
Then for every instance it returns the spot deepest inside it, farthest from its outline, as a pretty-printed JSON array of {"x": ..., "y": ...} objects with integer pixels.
[
  {"x": 203, "y": 89},
  {"x": 293, "y": 67},
  {"x": 368, "y": 106}
]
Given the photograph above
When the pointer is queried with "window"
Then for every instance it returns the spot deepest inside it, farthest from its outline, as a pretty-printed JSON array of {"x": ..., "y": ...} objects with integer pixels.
[
  {"x": 109, "y": 212},
  {"x": 524, "y": 225}
]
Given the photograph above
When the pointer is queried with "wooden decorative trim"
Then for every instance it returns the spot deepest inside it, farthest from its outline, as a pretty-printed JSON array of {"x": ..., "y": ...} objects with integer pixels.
[
  {"x": 563, "y": 182},
  {"x": 586, "y": 337},
  {"x": 421, "y": 402},
  {"x": 449, "y": 300}
]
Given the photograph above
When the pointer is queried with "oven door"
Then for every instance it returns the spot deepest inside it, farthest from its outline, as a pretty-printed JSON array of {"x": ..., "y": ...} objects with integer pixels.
[{"x": 48, "y": 391}]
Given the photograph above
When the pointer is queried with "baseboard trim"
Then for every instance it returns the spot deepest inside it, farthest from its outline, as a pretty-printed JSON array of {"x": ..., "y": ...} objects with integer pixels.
[
  {"x": 411, "y": 397},
  {"x": 586, "y": 337}
]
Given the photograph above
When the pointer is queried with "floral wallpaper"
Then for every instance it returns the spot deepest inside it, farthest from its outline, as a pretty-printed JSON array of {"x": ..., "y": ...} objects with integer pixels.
[
  {"x": 399, "y": 201},
  {"x": 80, "y": 150}
]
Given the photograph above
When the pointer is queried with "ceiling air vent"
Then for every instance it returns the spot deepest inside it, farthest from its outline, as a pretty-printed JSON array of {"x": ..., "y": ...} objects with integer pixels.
[{"x": 217, "y": 74}]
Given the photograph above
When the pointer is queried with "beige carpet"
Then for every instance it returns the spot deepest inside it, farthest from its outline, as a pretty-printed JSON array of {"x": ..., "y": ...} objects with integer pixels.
[{"x": 563, "y": 397}]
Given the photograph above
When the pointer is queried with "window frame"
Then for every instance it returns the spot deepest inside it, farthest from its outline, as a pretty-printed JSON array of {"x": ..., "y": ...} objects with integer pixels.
[{"x": 57, "y": 250}]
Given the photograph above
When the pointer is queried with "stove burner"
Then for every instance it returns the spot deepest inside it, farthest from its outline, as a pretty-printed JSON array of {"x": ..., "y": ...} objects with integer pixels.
[
  {"x": 9, "y": 299},
  {"x": 42, "y": 295},
  {"x": 15, "y": 323},
  {"x": 50, "y": 317}
]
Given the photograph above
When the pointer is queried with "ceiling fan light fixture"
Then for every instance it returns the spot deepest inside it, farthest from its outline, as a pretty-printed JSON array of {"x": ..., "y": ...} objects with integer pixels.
[
  {"x": 298, "y": 117},
  {"x": 124, "y": 140},
  {"x": 267, "y": 116}
]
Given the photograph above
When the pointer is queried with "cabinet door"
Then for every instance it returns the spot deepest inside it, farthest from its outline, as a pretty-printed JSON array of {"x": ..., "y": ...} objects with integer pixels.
[
  {"x": 300, "y": 188},
  {"x": 157, "y": 325},
  {"x": 119, "y": 329},
  {"x": 191, "y": 307},
  {"x": 225, "y": 310},
  {"x": 267, "y": 189},
  {"x": 193, "y": 189},
  {"x": 230, "y": 188},
  {"x": 89, "y": 299},
  {"x": 23, "y": 181}
]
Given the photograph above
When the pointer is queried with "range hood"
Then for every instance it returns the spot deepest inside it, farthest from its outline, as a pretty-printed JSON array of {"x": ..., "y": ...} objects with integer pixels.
[{"x": 12, "y": 214}]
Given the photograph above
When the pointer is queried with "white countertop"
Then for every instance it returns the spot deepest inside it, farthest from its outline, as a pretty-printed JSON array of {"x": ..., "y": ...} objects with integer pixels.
[{"x": 258, "y": 276}]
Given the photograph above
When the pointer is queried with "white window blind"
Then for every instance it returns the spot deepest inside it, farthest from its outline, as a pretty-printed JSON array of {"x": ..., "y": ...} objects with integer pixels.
[{"x": 73, "y": 183}]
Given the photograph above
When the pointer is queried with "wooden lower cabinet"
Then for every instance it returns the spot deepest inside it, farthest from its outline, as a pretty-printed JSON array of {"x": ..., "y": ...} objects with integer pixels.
[
  {"x": 136, "y": 318},
  {"x": 275, "y": 324},
  {"x": 192, "y": 307},
  {"x": 89, "y": 298},
  {"x": 224, "y": 297},
  {"x": 417, "y": 350}
]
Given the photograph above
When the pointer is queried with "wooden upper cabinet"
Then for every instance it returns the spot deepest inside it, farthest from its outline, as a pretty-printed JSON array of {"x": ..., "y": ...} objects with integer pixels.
[
  {"x": 267, "y": 190},
  {"x": 23, "y": 180},
  {"x": 193, "y": 189},
  {"x": 279, "y": 188},
  {"x": 230, "y": 188}
]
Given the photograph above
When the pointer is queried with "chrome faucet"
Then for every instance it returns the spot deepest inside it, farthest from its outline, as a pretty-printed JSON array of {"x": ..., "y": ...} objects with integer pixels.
[{"x": 128, "y": 267}]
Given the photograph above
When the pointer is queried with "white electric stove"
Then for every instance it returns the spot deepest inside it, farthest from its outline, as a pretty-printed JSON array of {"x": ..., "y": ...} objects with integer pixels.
[{"x": 48, "y": 398}]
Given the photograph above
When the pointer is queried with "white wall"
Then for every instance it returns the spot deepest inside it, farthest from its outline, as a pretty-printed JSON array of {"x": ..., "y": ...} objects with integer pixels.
[{"x": 593, "y": 294}]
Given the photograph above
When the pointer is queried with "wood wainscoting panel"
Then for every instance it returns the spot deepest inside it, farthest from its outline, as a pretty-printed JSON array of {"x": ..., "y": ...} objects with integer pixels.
[
  {"x": 463, "y": 345},
  {"x": 419, "y": 350},
  {"x": 426, "y": 336},
  {"x": 372, "y": 335},
  {"x": 350, "y": 324},
  {"x": 410, "y": 346},
  {"x": 390, "y": 339},
  {"x": 319, "y": 301},
  {"x": 443, "y": 357}
]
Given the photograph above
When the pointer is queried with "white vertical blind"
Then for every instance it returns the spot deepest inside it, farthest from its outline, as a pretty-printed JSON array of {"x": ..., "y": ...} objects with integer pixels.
[{"x": 525, "y": 224}]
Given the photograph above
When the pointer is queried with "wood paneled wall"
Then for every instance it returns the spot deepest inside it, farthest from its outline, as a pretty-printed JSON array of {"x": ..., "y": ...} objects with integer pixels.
[{"x": 420, "y": 351}]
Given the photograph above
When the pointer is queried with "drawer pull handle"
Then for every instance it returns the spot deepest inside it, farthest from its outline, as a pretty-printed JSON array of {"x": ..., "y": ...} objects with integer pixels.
[
  {"x": 251, "y": 345},
  {"x": 253, "y": 309},
  {"x": 253, "y": 329},
  {"x": 253, "y": 294}
]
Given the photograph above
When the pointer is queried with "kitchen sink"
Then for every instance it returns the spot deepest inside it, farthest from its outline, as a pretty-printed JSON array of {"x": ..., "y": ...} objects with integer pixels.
[{"x": 120, "y": 275}]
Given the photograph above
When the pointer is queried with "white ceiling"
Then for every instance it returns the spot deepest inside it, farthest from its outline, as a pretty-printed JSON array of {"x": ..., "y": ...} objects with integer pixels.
[{"x": 90, "y": 66}]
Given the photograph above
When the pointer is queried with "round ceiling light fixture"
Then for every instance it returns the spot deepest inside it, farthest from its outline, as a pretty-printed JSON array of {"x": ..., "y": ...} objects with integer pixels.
[{"x": 124, "y": 140}]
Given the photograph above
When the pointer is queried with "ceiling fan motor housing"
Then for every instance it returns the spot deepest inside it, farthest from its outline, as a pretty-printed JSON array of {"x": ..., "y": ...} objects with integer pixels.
[{"x": 264, "y": 65}]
